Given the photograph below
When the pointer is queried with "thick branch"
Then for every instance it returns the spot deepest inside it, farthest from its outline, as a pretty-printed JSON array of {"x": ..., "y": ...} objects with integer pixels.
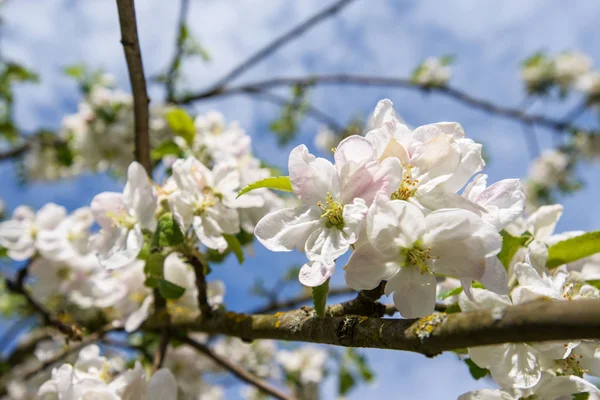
[
  {"x": 536, "y": 321},
  {"x": 131, "y": 46},
  {"x": 360, "y": 80},
  {"x": 279, "y": 42},
  {"x": 161, "y": 352},
  {"x": 236, "y": 370}
]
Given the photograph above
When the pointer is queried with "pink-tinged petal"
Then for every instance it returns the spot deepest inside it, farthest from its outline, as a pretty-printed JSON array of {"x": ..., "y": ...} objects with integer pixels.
[
  {"x": 315, "y": 273},
  {"x": 504, "y": 202},
  {"x": 396, "y": 150},
  {"x": 429, "y": 132},
  {"x": 370, "y": 180},
  {"x": 438, "y": 199},
  {"x": 162, "y": 385},
  {"x": 482, "y": 300},
  {"x": 434, "y": 162},
  {"x": 49, "y": 216},
  {"x": 106, "y": 206},
  {"x": 367, "y": 267},
  {"x": 542, "y": 222},
  {"x": 380, "y": 137},
  {"x": 209, "y": 233},
  {"x": 353, "y": 151},
  {"x": 326, "y": 244},
  {"x": 140, "y": 197},
  {"x": 137, "y": 318},
  {"x": 285, "y": 229},
  {"x": 495, "y": 277},
  {"x": 393, "y": 225},
  {"x": 354, "y": 219},
  {"x": 414, "y": 292},
  {"x": 471, "y": 163},
  {"x": 384, "y": 112},
  {"x": 312, "y": 178}
]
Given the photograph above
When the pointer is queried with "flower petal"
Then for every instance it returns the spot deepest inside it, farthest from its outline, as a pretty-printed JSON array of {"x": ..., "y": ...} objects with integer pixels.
[
  {"x": 315, "y": 273},
  {"x": 285, "y": 229},
  {"x": 312, "y": 178},
  {"x": 367, "y": 267},
  {"x": 414, "y": 292}
]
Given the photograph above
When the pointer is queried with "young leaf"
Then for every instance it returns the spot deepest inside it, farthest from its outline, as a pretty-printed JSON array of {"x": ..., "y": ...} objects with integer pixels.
[
  {"x": 233, "y": 244},
  {"x": 281, "y": 183},
  {"x": 169, "y": 290},
  {"x": 510, "y": 245},
  {"x": 345, "y": 381},
  {"x": 167, "y": 232},
  {"x": 181, "y": 124},
  {"x": 573, "y": 249},
  {"x": 165, "y": 148},
  {"x": 319, "y": 295},
  {"x": 450, "y": 292},
  {"x": 476, "y": 371},
  {"x": 154, "y": 265}
]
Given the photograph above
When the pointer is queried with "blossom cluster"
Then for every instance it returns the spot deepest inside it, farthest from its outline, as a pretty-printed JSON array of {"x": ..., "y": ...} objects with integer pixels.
[
  {"x": 548, "y": 370},
  {"x": 568, "y": 70},
  {"x": 433, "y": 71},
  {"x": 392, "y": 197}
]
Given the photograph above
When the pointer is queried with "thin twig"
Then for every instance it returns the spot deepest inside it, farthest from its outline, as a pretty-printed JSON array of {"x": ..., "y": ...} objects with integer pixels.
[
  {"x": 361, "y": 80},
  {"x": 161, "y": 352},
  {"x": 279, "y": 42},
  {"x": 131, "y": 46},
  {"x": 200, "y": 285},
  {"x": 176, "y": 61},
  {"x": 576, "y": 112},
  {"x": 72, "y": 349},
  {"x": 73, "y": 331},
  {"x": 312, "y": 111},
  {"x": 236, "y": 370}
]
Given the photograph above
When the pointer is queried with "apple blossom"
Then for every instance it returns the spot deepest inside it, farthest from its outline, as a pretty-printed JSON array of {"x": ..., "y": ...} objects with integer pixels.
[
  {"x": 205, "y": 200},
  {"x": 406, "y": 248},
  {"x": 19, "y": 234},
  {"x": 123, "y": 217},
  {"x": 334, "y": 200}
]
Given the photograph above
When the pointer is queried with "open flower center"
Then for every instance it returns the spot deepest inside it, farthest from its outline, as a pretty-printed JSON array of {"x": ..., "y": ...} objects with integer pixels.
[
  {"x": 417, "y": 256},
  {"x": 570, "y": 366},
  {"x": 122, "y": 219},
  {"x": 407, "y": 188},
  {"x": 210, "y": 199},
  {"x": 332, "y": 211}
]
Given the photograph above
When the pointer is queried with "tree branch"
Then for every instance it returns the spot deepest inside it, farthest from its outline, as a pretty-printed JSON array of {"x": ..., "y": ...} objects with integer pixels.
[
  {"x": 361, "y": 80},
  {"x": 73, "y": 331},
  {"x": 161, "y": 352},
  {"x": 201, "y": 286},
  {"x": 236, "y": 370},
  {"x": 541, "y": 320},
  {"x": 131, "y": 46},
  {"x": 176, "y": 61},
  {"x": 279, "y": 42}
]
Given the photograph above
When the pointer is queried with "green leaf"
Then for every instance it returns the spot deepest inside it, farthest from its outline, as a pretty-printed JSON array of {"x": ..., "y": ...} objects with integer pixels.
[
  {"x": 165, "y": 148},
  {"x": 510, "y": 245},
  {"x": 281, "y": 183},
  {"x": 181, "y": 124},
  {"x": 476, "y": 371},
  {"x": 573, "y": 249},
  {"x": 152, "y": 282},
  {"x": 154, "y": 265},
  {"x": 345, "y": 381},
  {"x": 234, "y": 246},
  {"x": 76, "y": 71},
  {"x": 3, "y": 252},
  {"x": 169, "y": 290},
  {"x": 319, "y": 295},
  {"x": 167, "y": 232},
  {"x": 450, "y": 292}
]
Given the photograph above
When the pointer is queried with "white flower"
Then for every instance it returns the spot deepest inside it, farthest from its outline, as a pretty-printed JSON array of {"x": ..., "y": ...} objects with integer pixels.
[
  {"x": 122, "y": 218},
  {"x": 589, "y": 83},
  {"x": 437, "y": 159},
  {"x": 19, "y": 234},
  {"x": 569, "y": 66},
  {"x": 206, "y": 200},
  {"x": 308, "y": 363},
  {"x": 325, "y": 139},
  {"x": 222, "y": 143},
  {"x": 334, "y": 203},
  {"x": 182, "y": 274},
  {"x": 549, "y": 387},
  {"x": 549, "y": 168},
  {"x": 132, "y": 384},
  {"x": 434, "y": 71},
  {"x": 503, "y": 202},
  {"x": 257, "y": 357},
  {"x": 406, "y": 248}
]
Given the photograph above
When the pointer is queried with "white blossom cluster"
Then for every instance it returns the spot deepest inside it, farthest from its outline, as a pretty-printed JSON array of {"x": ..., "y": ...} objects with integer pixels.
[
  {"x": 568, "y": 70},
  {"x": 392, "y": 197},
  {"x": 433, "y": 72},
  {"x": 549, "y": 370},
  {"x": 90, "y": 377}
]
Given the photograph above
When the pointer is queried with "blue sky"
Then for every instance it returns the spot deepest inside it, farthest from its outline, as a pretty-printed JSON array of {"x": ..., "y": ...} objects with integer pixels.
[{"x": 374, "y": 37}]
